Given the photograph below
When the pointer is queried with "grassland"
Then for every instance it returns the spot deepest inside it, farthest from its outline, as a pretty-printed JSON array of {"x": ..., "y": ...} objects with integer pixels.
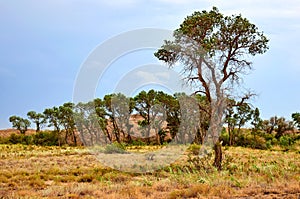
[{"x": 73, "y": 172}]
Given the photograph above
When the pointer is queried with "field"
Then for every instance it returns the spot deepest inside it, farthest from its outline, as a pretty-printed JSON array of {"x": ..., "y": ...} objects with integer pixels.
[{"x": 73, "y": 172}]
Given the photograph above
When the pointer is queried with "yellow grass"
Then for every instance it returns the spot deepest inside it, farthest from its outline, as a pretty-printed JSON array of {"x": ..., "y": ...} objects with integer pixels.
[{"x": 69, "y": 172}]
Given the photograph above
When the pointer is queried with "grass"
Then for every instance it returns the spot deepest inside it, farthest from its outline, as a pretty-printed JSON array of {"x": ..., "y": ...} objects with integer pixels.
[{"x": 72, "y": 172}]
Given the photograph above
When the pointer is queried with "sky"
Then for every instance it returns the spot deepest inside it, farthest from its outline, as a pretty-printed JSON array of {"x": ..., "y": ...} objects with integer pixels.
[{"x": 44, "y": 44}]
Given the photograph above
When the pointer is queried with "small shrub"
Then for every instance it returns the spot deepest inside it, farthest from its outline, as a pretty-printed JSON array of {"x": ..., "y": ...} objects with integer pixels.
[
  {"x": 86, "y": 178},
  {"x": 194, "y": 149},
  {"x": 4, "y": 140},
  {"x": 286, "y": 141},
  {"x": 137, "y": 143},
  {"x": 269, "y": 144},
  {"x": 115, "y": 148}
]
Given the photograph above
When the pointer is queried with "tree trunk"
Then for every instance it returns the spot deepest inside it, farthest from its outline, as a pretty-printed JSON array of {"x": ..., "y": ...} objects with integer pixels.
[
  {"x": 218, "y": 156},
  {"x": 66, "y": 137},
  {"x": 129, "y": 139},
  {"x": 231, "y": 136},
  {"x": 37, "y": 127},
  {"x": 74, "y": 137}
]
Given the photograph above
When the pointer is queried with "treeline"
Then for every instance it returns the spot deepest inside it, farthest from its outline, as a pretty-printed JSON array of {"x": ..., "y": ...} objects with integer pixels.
[{"x": 152, "y": 117}]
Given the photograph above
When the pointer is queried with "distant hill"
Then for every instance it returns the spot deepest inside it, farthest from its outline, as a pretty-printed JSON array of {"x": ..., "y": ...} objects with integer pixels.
[{"x": 8, "y": 132}]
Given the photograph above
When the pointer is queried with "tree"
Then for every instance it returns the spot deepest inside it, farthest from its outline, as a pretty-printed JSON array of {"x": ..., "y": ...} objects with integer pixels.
[
  {"x": 212, "y": 49},
  {"x": 66, "y": 118},
  {"x": 122, "y": 107},
  {"x": 147, "y": 104},
  {"x": 171, "y": 106},
  {"x": 52, "y": 115},
  {"x": 231, "y": 121},
  {"x": 296, "y": 119},
  {"x": 103, "y": 121},
  {"x": 282, "y": 126},
  {"x": 20, "y": 123},
  {"x": 243, "y": 115},
  {"x": 89, "y": 124},
  {"x": 111, "y": 113},
  {"x": 257, "y": 122},
  {"x": 37, "y": 118},
  {"x": 277, "y": 124}
]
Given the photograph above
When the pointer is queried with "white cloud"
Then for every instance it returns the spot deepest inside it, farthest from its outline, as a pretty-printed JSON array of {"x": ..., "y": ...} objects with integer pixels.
[{"x": 161, "y": 77}]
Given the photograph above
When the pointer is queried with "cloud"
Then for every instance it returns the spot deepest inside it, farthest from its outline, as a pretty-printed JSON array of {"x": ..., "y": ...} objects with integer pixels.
[{"x": 161, "y": 77}]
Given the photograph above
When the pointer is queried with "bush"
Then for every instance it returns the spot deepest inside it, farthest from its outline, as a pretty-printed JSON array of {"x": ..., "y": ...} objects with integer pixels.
[
  {"x": 252, "y": 141},
  {"x": 194, "y": 149},
  {"x": 3, "y": 140},
  {"x": 20, "y": 139},
  {"x": 286, "y": 140},
  {"x": 46, "y": 138},
  {"x": 137, "y": 143},
  {"x": 115, "y": 148}
]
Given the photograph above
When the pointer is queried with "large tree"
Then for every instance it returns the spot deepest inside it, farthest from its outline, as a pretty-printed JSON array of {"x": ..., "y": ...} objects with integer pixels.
[{"x": 213, "y": 49}]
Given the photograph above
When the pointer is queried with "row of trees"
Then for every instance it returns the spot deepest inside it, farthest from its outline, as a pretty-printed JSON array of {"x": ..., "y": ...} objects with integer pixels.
[
  {"x": 239, "y": 116},
  {"x": 154, "y": 115},
  {"x": 61, "y": 119}
]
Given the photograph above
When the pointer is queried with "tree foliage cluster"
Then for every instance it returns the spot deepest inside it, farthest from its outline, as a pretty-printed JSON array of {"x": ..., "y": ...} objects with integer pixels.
[
  {"x": 259, "y": 133},
  {"x": 160, "y": 117}
]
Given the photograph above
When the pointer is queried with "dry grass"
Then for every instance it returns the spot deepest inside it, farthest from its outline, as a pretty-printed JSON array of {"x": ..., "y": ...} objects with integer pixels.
[{"x": 54, "y": 172}]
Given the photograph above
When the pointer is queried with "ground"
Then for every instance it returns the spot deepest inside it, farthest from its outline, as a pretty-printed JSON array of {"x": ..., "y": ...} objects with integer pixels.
[{"x": 73, "y": 172}]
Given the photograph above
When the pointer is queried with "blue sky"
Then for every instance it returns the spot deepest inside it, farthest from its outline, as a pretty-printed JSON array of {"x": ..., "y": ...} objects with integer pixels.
[{"x": 44, "y": 43}]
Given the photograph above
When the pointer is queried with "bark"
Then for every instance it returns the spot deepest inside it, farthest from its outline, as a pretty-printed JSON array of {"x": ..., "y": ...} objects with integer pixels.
[
  {"x": 74, "y": 137},
  {"x": 218, "y": 156}
]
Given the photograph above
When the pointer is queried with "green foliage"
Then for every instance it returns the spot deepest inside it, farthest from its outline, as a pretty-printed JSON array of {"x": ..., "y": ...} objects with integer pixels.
[
  {"x": 20, "y": 123},
  {"x": 296, "y": 119},
  {"x": 115, "y": 148},
  {"x": 42, "y": 138},
  {"x": 52, "y": 115},
  {"x": 286, "y": 141},
  {"x": 137, "y": 143},
  {"x": 194, "y": 149},
  {"x": 46, "y": 138},
  {"x": 20, "y": 139},
  {"x": 224, "y": 137},
  {"x": 250, "y": 140},
  {"x": 37, "y": 118}
]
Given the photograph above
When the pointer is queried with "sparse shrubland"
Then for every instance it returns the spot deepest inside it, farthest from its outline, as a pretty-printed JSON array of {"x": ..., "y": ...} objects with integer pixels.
[{"x": 72, "y": 172}]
